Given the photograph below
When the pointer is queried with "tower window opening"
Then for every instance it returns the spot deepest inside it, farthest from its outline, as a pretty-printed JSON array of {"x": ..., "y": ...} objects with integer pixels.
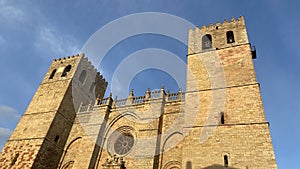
[
  {"x": 225, "y": 161},
  {"x": 230, "y": 37},
  {"x": 66, "y": 71},
  {"x": 82, "y": 76},
  {"x": 56, "y": 139},
  {"x": 206, "y": 41},
  {"x": 188, "y": 165},
  {"x": 92, "y": 88},
  {"x": 222, "y": 119},
  {"x": 52, "y": 74}
]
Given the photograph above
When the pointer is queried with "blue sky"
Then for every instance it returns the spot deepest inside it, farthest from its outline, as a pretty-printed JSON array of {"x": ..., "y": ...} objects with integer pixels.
[{"x": 32, "y": 33}]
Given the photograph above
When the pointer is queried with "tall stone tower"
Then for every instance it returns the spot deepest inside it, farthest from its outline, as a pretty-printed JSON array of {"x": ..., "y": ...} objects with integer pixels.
[
  {"x": 40, "y": 136},
  {"x": 230, "y": 128}
]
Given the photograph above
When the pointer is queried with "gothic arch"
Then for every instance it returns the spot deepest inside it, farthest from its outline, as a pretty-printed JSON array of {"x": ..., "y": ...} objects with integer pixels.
[
  {"x": 118, "y": 117},
  {"x": 66, "y": 157},
  {"x": 72, "y": 142},
  {"x": 169, "y": 137},
  {"x": 172, "y": 165},
  {"x": 68, "y": 165}
]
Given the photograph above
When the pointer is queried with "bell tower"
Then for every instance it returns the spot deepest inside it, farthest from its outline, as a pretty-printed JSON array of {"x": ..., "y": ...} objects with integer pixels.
[
  {"x": 230, "y": 129},
  {"x": 41, "y": 134}
]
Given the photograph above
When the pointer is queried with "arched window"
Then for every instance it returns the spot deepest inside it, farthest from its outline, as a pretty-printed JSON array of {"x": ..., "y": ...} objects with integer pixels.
[
  {"x": 222, "y": 119},
  {"x": 206, "y": 41},
  {"x": 52, "y": 74},
  {"x": 82, "y": 76},
  {"x": 66, "y": 71},
  {"x": 230, "y": 37},
  {"x": 225, "y": 161}
]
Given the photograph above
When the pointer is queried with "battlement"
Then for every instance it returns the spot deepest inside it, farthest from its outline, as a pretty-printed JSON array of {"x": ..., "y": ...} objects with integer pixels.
[
  {"x": 80, "y": 56},
  {"x": 69, "y": 57},
  {"x": 74, "y": 61},
  {"x": 225, "y": 23},
  {"x": 217, "y": 36}
]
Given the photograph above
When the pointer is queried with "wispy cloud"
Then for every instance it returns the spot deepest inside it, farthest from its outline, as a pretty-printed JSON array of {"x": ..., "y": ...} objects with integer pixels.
[
  {"x": 11, "y": 12},
  {"x": 9, "y": 112},
  {"x": 2, "y": 40},
  {"x": 9, "y": 116},
  {"x": 58, "y": 43},
  {"x": 4, "y": 135}
]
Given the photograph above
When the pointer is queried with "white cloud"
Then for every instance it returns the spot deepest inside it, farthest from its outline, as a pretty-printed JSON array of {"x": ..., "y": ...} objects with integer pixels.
[
  {"x": 9, "y": 118},
  {"x": 9, "y": 112},
  {"x": 11, "y": 12},
  {"x": 4, "y": 136},
  {"x": 50, "y": 39},
  {"x": 2, "y": 40},
  {"x": 5, "y": 133}
]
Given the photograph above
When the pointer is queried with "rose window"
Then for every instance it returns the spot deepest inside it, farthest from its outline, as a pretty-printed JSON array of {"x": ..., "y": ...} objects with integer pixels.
[{"x": 123, "y": 143}]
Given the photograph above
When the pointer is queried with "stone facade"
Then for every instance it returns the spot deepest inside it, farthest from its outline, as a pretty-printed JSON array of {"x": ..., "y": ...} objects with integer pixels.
[{"x": 218, "y": 122}]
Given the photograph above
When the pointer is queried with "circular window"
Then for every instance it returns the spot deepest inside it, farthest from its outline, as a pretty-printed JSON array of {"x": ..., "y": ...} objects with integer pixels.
[{"x": 123, "y": 143}]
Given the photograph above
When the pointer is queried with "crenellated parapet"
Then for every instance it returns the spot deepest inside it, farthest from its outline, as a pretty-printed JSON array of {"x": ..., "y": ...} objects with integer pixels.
[
  {"x": 75, "y": 59},
  {"x": 69, "y": 57},
  {"x": 225, "y": 23},
  {"x": 87, "y": 82},
  {"x": 217, "y": 36}
]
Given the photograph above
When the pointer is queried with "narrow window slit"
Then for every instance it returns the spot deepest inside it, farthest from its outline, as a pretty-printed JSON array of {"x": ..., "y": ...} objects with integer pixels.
[
  {"x": 225, "y": 161},
  {"x": 222, "y": 118},
  {"x": 56, "y": 139}
]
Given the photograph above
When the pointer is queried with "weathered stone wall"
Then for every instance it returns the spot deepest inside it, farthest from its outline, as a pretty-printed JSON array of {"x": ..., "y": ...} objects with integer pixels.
[
  {"x": 246, "y": 146},
  {"x": 220, "y": 115},
  {"x": 45, "y": 126},
  {"x": 221, "y": 80},
  {"x": 188, "y": 132}
]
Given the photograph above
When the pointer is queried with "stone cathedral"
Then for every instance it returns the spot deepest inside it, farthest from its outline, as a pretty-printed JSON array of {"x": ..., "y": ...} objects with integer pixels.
[{"x": 217, "y": 122}]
